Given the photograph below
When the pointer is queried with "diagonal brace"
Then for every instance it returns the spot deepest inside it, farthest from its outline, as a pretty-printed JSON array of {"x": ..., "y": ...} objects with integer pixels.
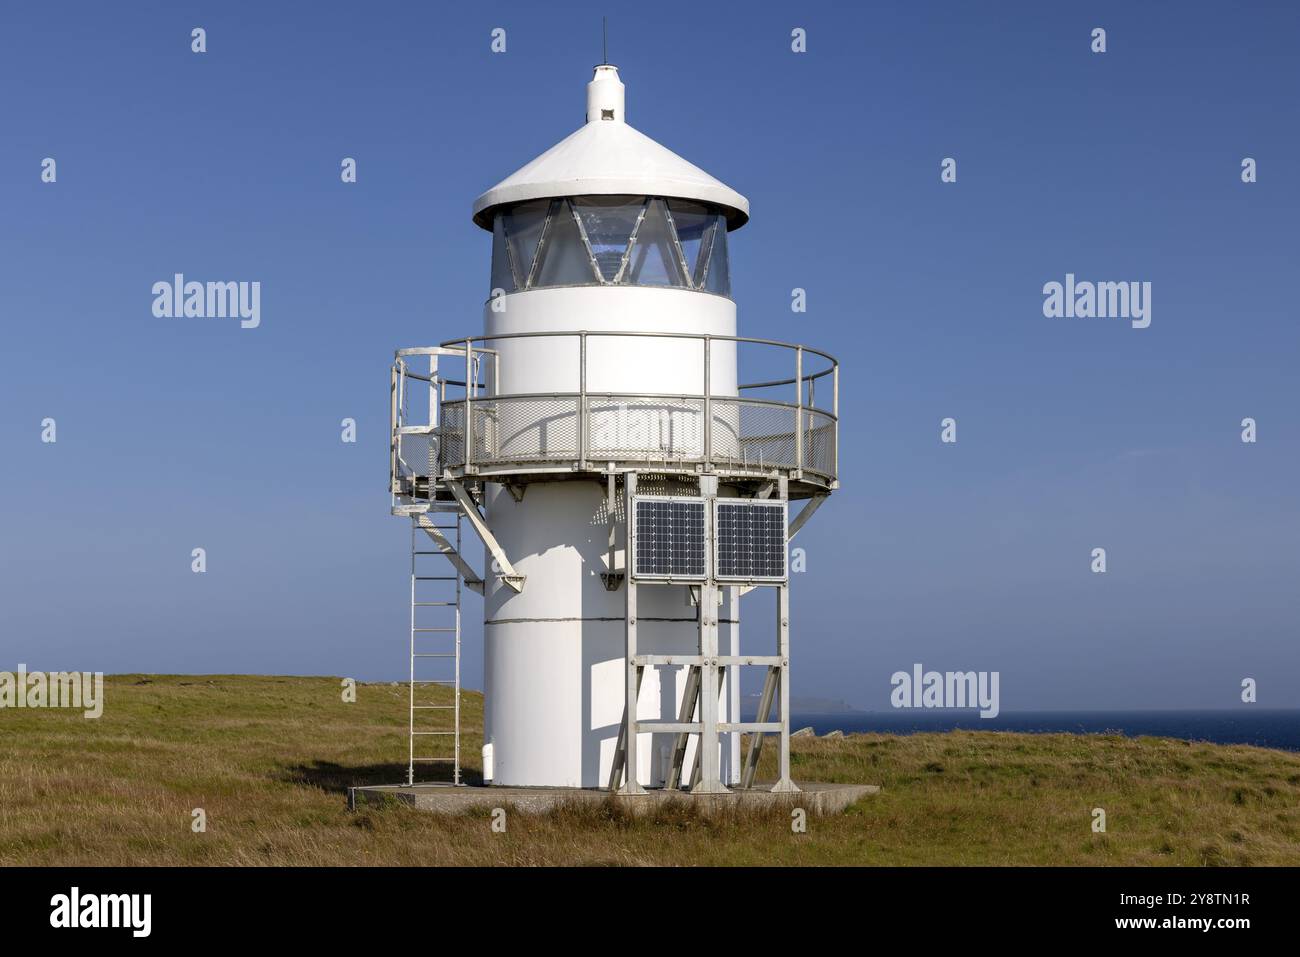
[
  {"x": 471, "y": 577},
  {"x": 508, "y": 573},
  {"x": 756, "y": 739},
  {"x": 805, "y": 513},
  {"x": 690, "y": 699},
  {"x": 631, "y": 785}
]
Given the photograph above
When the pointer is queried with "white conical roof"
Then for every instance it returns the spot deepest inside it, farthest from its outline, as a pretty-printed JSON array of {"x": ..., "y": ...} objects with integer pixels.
[{"x": 608, "y": 157}]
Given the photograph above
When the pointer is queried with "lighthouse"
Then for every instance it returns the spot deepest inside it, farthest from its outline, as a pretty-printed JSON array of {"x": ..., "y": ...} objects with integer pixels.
[{"x": 628, "y": 485}]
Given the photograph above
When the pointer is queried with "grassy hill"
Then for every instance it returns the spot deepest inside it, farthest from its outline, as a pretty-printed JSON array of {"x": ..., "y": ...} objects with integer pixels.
[{"x": 269, "y": 759}]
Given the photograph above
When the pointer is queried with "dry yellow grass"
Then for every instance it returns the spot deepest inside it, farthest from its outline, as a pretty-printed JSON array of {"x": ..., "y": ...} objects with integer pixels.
[{"x": 269, "y": 759}]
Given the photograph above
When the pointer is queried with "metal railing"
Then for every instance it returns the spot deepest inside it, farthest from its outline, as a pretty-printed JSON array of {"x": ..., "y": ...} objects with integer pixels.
[{"x": 470, "y": 427}]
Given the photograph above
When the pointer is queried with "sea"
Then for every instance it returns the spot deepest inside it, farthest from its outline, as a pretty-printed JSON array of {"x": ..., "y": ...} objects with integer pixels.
[{"x": 1263, "y": 728}]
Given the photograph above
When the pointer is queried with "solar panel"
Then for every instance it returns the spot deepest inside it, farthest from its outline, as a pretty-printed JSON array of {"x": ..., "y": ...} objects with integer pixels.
[
  {"x": 669, "y": 538},
  {"x": 751, "y": 540}
]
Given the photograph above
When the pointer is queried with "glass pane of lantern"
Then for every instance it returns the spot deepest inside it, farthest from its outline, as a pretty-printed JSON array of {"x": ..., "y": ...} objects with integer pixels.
[
  {"x": 502, "y": 277},
  {"x": 523, "y": 225},
  {"x": 718, "y": 278},
  {"x": 608, "y": 221},
  {"x": 653, "y": 261},
  {"x": 693, "y": 223},
  {"x": 564, "y": 257}
]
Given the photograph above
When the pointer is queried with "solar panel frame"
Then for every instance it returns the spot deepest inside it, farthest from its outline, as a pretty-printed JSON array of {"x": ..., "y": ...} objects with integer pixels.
[
  {"x": 670, "y": 538},
  {"x": 750, "y": 540}
]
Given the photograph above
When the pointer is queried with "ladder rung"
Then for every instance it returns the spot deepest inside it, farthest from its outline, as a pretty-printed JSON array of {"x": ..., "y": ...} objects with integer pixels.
[
  {"x": 424, "y": 654},
  {"x": 440, "y": 630},
  {"x": 431, "y": 760},
  {"x": 434, "y": 733},
  {"x": 432, "y": 707},
  {"x": 440, "y": 604}
]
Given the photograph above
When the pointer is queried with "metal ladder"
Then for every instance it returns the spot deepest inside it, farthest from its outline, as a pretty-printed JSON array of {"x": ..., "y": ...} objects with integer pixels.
[{"x": 435, "y": 640}]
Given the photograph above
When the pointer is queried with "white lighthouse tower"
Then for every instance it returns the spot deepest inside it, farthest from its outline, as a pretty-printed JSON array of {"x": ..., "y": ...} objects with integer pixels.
[{"x": 628, "y": 485}]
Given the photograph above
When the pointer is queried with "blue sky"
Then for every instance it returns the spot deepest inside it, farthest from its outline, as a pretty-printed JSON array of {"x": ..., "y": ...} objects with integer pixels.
[{"x": 1072, "y": 433}]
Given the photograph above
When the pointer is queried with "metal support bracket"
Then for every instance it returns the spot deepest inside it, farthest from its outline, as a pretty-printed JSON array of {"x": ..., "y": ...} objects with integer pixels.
[
  {"x": 807, "y": 512},
  {"x": 473, "y": 580},
  {"x": 508, "y": 574}
]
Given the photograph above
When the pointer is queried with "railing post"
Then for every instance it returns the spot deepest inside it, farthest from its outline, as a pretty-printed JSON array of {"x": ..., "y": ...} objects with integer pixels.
[
  {"x": 432, "y": 437},
  {"x": 469, "y": 408},
  {"x": 392, "y": 430},
  {"x": 494, "y": 389},
  {"x": 798, "y": 411},
  {"x": 433, "y": 392},
  {"x": 835, "y": 410},
  {"x": 401, "y": 391},
  {"x": 582, "y": 402},
  {"x": 708, "y": 404}
]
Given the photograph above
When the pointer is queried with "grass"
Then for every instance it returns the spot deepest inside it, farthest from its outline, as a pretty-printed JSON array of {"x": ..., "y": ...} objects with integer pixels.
[{"x": 269, "y": 760}]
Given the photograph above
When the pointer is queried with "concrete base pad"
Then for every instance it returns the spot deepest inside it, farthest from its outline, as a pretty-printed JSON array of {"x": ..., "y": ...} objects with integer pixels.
[{"x": 447, "y": 799}]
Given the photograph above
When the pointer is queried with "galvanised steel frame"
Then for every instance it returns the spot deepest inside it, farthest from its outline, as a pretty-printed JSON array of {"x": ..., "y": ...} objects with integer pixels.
[
  {"x": 813, "y": 431},
  {"x": 705, "y": 671}
]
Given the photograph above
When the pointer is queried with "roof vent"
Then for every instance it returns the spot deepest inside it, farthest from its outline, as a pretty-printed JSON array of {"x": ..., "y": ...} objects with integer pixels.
[{"x": 605, "y": 95}]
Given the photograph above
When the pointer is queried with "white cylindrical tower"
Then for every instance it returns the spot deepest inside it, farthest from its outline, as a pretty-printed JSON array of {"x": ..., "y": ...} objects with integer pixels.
[
  {"x": 607, "y": 232},
  {"x": 628, "y": 485}
]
